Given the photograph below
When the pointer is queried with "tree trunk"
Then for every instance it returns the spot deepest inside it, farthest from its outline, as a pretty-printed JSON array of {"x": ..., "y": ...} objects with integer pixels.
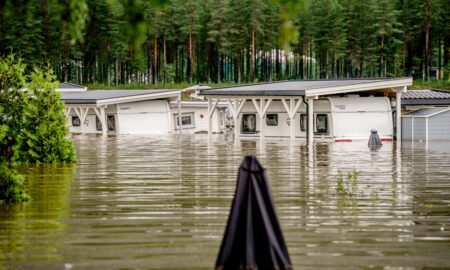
[
  {"x": 164, "y": 59},
  {"x": 253, "y": 62},
  {"x": 189, "y": 59},
  {"x": 155, "y": 59},
  {"x": 427, "y": 38}
]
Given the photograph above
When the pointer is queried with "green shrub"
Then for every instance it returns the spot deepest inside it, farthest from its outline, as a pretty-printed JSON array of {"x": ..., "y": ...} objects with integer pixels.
[{"x": 45, "y": 135}]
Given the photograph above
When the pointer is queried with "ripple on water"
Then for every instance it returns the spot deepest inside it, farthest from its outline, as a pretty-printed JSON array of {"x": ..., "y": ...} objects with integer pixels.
[{"x": 162, "y": 202}]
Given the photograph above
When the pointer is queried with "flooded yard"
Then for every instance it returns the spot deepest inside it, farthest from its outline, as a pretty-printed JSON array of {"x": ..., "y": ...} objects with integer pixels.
[{"x": 162, "y": 202}]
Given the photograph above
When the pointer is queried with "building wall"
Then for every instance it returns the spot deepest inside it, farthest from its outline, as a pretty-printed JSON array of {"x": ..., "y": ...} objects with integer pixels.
[
  {"x": 90, "y": 123},
  {"x": 355, "y": 117},
  {"x": 348, "y": 117},
  {"x": 414, "y": 128},
  {"x": 439, "y": 126},
  {"x": 200, "y": 120},
  {"x": 143, "y": 117}
]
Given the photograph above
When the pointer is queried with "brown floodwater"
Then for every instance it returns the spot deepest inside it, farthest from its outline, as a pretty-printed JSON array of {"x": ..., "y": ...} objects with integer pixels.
[{"x": 162, "y": 202}]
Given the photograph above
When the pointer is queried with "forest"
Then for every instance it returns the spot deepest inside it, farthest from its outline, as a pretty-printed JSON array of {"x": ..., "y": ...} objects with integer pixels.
[{"x": 116, "y": 42}]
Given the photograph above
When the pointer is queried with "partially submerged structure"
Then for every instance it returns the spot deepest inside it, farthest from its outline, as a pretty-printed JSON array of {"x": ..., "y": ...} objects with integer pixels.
[
  {"x": 427, "y": 115},
  {"x": 342, "y": 110},
  {"x": 427, "y": 124},
  {"x": 137, "y": 112}
]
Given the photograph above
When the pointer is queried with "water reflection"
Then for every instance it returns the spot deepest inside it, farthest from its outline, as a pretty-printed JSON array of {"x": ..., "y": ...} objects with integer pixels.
[{"x": 162, "y": 202}]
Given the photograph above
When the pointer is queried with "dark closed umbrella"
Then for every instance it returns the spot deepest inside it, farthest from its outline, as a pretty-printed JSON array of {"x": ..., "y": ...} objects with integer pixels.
[{"x": 253, "y": 237}]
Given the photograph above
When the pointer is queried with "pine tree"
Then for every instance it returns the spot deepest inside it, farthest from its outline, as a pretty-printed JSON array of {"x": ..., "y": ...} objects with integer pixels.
[
  {"x": 12, "y": 104},
  {"x": 45, "y": 133}
]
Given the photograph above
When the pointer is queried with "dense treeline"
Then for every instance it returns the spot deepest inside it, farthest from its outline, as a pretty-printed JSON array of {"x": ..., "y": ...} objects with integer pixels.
[{"x": 139, "y": 41}]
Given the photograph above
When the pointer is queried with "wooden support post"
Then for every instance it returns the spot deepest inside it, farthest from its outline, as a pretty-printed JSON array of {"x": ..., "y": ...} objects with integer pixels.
[
  {"x": 103, "y": 121},
  {"x": 211, "y": 109},
  {"x": 83, "y": 115},
  {"x": 180, "y": 124},
  {"x": 399, "y": 114},
  {"x": 310, "y": 120},
  {"x": 102, "y": 117},
  {"x": 209, "y": 117},
  {"x": 238, "y": 105},
  {"x": 291, "y": 109}
]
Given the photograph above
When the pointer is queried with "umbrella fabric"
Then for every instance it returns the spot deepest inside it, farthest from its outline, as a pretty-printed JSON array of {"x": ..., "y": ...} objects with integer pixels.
[{"x": 253, "y": 237}]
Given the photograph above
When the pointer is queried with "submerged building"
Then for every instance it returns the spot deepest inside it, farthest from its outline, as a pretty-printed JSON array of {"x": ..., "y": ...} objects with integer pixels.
[
  {"x": 138, "y": 112},
  {"x": 340, "y": 110}
]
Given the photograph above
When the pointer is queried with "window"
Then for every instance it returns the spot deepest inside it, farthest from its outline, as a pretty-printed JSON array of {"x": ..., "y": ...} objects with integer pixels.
[
  {"x": 98, "y": 124},
  {"x": 248, "y": 123},
  {"x": 111, "y": 122},
  {"x": 272, "y": 119},
  {"x": 303, "y": 122},
  {"x": 321, "y": 123},
  {"x": 76, "y": 122},
  {"x": 187, "y": 120}
]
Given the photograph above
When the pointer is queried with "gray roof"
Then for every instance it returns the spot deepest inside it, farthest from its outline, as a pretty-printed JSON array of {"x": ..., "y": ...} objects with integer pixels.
[
  {"x": 426, "y": 97},
  {"x": 287, "y": 88},
  {"x": 66, "y": 85},
  {"x": 426, "y": 112},
  {"x": 91, "y": 97}
]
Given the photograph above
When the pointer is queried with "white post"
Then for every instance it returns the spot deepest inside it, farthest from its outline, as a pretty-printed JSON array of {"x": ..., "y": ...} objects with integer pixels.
[
  {"x": 262, "y": 119},
  {"x": 209, "y": 117},
  {"x": 180, "y": 125},
  {"x": 237, "y": 127},
  {"x": 103, "y": 121},
  {"x": 311, "y": 119},
  {"x": 238, "y": 105},
  {"x": 292, "y": 117},
  {"x": 399, "y": 114}
]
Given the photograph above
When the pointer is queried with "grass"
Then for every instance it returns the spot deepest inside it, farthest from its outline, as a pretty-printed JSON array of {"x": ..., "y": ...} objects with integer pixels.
[
  {"x": 417, "y": 84},
  {"x": 151, "y": 86},
  {"x": 431, "y": 84}
]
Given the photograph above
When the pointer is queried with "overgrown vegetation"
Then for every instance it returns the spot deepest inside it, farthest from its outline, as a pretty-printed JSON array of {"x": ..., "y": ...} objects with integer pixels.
[
  {"x": 431, "y": 84},
  {"x": 32, "y": 124},
  {"x": 117, "y": 42},
  {"x": 349, "y": 185}
]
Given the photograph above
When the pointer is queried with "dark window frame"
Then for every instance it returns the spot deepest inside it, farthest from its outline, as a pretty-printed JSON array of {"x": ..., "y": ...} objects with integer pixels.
[
  {"x": 74, "y": 119},
  {"x": 113, "y": 127},
  {"x": 244, "y": 118},
  {"x": 269, "y": 123}
]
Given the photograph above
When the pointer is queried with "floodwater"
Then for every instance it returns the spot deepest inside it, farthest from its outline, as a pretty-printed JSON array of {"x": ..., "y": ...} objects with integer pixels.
[{"x": 162, "y": 202}]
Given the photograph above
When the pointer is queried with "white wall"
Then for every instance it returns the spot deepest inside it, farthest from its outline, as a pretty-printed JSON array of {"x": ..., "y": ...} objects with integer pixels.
[
  {"x": 283, "y": 129},
  {"x": 355, "y": 117},
  {"x": 143, "y": 117},
  {"x": 90, "y": 122},
  {"x": 200, "y": 118}
]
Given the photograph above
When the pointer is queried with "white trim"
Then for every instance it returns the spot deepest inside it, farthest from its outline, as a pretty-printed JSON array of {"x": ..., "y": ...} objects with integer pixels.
[
  {"x": 151, "y": 96},
  {"x": 428, "y": 115},
  {"x": 358, "y": 87}
]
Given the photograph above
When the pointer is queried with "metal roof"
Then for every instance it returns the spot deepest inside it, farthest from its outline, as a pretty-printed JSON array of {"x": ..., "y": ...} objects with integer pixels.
[
  {"x": 296, "y": 88},
  {"x": 91, "y": 97},
  {"x": 428, "y": 94},
  {"x": 426, "y": 97},
  {"x": 426, "y": 112},
  {"x": 66, "y": 85}
]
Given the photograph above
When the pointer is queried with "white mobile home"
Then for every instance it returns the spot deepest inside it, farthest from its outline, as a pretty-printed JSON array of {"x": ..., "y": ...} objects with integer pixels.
[
  {"x": 132, "y": 112},
  {"x": 342, "y": 110}
]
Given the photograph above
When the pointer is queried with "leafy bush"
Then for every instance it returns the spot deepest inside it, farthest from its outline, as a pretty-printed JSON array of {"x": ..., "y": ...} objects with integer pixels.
[{"x": 45, "y": 134}]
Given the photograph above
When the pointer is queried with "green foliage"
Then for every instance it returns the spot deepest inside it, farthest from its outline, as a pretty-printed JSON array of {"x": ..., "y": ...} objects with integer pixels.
[
  {"x": 12, "y": 104},
  {"x": 32, "y": 124},
  {"x": 11, "y": 185},
  {"x": 134, "y": 41},
  {"x": 432, "y": 84},
  {"x": 45, "y": 134},
  {"x": 349, "y": 185}
]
